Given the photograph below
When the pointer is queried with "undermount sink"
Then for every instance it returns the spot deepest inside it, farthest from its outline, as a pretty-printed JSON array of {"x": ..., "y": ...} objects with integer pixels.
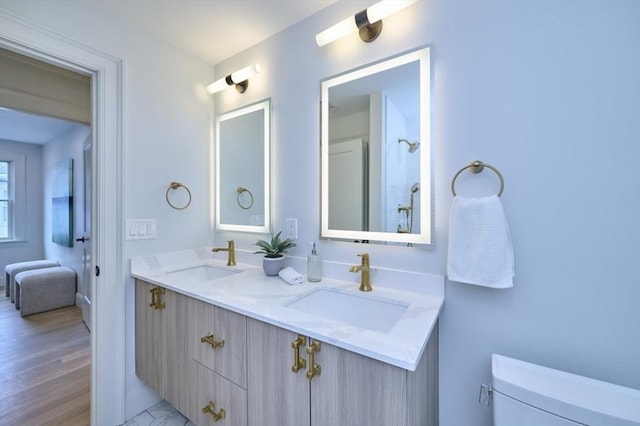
[
  {"x": 203, "y": 273},
  {"x": 360, "y": 310}
]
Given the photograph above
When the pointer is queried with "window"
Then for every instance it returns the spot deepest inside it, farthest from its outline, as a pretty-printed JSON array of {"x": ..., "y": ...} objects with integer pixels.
[
  {"x": 6, "y": 216},
  {"x": 13, "y": 196}
]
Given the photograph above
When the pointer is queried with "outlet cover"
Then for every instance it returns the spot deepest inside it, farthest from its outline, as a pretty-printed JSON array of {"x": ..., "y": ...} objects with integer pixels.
[{"x": 292, "y": 228}]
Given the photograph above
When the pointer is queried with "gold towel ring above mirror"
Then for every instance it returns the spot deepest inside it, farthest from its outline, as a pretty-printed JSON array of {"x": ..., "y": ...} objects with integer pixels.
[
  {"x": 239, "y": 191},
  {"x": 476, "y": 167},
  {"x": 176, "y": 185}
]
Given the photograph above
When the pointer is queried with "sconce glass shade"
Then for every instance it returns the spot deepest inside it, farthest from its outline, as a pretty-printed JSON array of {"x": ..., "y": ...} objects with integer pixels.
[
  {"x": 235, "y": 78},
  {"x": 217, "y": 86},
  {"x": 245, "y": 73},
  {"x": 337, "y": 31},
  {"x": 374, "y": 13}
]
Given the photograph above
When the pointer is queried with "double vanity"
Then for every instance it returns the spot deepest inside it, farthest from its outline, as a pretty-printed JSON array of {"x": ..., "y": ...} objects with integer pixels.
[{"x": 229, "y": 345}]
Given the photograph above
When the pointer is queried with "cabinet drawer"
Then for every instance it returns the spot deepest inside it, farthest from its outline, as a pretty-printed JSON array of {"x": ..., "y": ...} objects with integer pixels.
[
  {"x": 217, "y": 393},
  {"x": 210, "y": 326}
]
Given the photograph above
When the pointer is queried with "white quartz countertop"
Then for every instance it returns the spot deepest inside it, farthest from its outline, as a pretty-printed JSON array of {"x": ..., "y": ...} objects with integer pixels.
[{"x": 255, "y": 295}]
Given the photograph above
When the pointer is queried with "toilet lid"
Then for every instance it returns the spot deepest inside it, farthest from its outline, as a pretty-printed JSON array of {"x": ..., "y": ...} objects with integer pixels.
[{"x": 575, "y": 397}]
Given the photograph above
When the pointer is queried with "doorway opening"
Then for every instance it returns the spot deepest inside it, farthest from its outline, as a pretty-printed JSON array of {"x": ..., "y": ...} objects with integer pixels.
[
  {"x": 107, "y": 278},
  {"x": 45, "y": 115}
]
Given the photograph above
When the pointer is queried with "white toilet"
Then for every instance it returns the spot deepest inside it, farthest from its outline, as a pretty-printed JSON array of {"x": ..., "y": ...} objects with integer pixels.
[{"x": 526, "y": 394}]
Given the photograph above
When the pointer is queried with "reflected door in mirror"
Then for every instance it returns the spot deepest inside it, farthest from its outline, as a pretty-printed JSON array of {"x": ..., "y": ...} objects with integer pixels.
[{"x": 346, "y": 183}]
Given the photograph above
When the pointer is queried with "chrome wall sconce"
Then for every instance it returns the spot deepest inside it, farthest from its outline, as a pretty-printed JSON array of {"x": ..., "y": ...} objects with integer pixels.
[
  {"x": 367, "y": 22},
  {"x": 240, "y": 79}
]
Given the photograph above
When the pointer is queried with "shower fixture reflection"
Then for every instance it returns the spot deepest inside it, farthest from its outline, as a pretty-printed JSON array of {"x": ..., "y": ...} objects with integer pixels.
[
  {"x": 408, "y": 211},
  {"x": 413, "y": 146}
]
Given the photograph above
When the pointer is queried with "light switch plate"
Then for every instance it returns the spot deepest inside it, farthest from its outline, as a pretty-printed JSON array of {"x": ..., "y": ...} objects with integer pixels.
[{"x": 141, "y": 229}]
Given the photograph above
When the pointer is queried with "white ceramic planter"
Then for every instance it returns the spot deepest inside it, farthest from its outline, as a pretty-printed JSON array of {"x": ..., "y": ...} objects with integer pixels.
[{"x": 272, "y": 265}]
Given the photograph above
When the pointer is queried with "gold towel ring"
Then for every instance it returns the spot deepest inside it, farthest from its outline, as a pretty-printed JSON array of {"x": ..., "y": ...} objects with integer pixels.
[
  {"x": 239, "y": 191},
  {"x": 176, "y": 185},
  {"x": 477, "y": 167}
]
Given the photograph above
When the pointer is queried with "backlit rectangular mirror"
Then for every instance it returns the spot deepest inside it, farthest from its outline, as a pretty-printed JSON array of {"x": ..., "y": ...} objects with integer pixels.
[
  {"x": 376, "y": 162},
  {"x": 242, "y": 169}
]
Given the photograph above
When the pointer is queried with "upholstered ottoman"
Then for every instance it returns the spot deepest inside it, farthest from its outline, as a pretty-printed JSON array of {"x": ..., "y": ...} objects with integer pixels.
[
  {"x": 45, "y": 289},
  {"x": 13, "y": 269}
]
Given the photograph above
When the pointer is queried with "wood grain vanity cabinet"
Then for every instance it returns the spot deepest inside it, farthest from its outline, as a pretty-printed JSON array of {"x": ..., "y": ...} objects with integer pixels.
[
  {"x": 349, "y": 389},
  {"x": 219, "y": 367},
  {"x": 162, "y": 356}
]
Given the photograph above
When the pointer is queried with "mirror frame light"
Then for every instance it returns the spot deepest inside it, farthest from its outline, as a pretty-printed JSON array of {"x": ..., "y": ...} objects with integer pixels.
[
  {"x": 264, "y": 105},
  {"x": 422, "y": 56}
]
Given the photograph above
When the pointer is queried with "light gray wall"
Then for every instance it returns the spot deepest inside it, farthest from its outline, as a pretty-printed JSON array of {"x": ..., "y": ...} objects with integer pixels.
[
  {"x": 548, "y": 92},
  {"x": 67, "y": 145},
  {"x": 32, "y": 247}
]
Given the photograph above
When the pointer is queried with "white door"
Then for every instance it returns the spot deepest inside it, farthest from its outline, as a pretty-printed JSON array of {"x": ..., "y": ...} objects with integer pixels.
[
  {"x": 84, "y": 284},
  {"x": 346, "y": 185}
]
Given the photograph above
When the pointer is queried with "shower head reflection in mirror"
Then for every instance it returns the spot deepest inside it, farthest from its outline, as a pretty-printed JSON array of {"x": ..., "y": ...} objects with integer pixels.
[{"x": 413, "y": 146}]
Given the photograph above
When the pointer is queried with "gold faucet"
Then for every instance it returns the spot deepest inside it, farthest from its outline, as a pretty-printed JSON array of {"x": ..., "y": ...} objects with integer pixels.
[
  {"x": 365, "y": 281},
  {"x": 231, "y": 261}
]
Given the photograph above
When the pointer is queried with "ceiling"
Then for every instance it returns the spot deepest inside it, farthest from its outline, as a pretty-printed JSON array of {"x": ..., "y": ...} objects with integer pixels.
[
  {"x": 20, "y": 126},
  {"x": 212, "y": 30}
]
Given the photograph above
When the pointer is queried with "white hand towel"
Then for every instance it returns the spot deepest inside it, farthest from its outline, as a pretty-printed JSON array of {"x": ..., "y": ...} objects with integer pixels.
[
  {"x": 480, "y": 250},
  {"x": 290, "y": 276}
]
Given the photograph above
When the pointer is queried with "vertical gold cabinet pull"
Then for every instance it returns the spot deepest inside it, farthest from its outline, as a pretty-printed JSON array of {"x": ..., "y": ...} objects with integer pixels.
[
  {"x": 159, "y": 303},
  {"x": 156, "y": 298},
  {"x": 314, "y": 369},
  {"x": 211, "y": 340},
  {"x": 298, "y": 363},
  {"x": 210, "y": 409}
]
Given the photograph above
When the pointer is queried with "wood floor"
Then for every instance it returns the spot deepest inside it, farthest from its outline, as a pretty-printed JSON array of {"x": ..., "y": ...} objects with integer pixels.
[{"x": 45, "y": 370}]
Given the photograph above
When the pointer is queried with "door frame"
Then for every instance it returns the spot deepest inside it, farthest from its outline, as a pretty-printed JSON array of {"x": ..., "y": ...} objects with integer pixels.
[{"x": 108, "y": 313}]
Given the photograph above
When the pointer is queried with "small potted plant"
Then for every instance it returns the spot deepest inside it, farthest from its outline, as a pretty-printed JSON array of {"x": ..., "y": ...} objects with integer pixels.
[{"x": 274, "y": 250}]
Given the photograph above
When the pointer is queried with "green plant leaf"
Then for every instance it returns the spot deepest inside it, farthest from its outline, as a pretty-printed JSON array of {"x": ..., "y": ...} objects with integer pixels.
[{"x": 276, "y": 247}]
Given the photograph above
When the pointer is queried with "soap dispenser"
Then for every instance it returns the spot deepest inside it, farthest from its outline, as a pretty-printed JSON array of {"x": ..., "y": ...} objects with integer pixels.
[{"x": 314, "y": 266}]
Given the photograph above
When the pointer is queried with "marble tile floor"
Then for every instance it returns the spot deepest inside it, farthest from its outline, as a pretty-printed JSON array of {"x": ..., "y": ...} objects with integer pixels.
[{"x": 161, "y": 414}]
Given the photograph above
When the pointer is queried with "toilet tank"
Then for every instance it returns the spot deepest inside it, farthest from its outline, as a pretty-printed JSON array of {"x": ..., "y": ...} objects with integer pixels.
[{"x": 531, "y": 395}]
